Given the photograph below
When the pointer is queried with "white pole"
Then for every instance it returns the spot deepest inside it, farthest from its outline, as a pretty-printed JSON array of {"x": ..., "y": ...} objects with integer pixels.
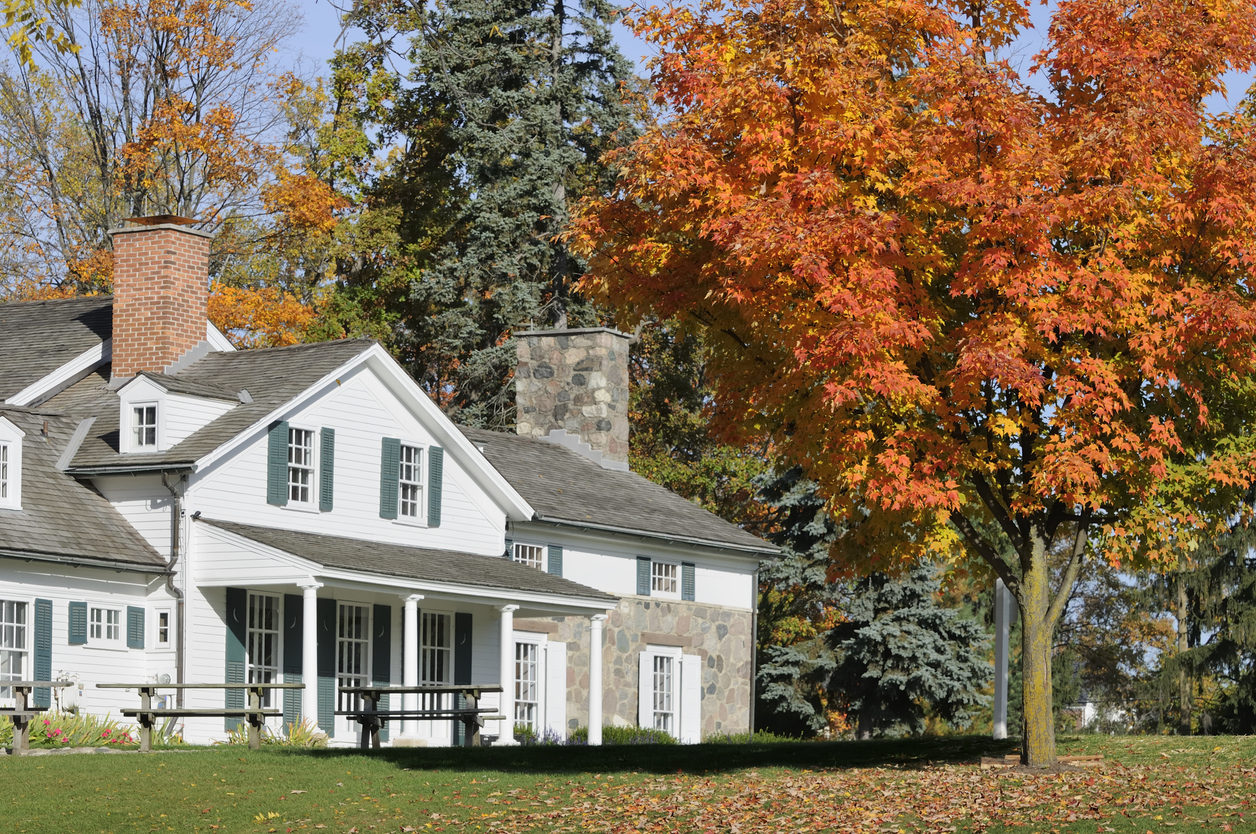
[
  {"x": 1004, "y": 612},
  {"x": 595, "y": 678},
  {"x": 410, "y": 661},
  {"x": 506, "y": 736},
  {"x": 309, "y": 652}
]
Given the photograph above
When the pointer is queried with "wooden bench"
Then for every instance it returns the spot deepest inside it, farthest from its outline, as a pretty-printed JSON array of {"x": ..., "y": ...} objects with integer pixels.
[
  {"x": 254, "y": 714},
  {"x": 22, "y": 711},
  {"x": 372, "y": 718}
]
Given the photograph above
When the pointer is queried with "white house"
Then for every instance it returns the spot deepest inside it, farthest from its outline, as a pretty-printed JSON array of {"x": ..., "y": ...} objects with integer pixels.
[{"x": 174, "y": 510}]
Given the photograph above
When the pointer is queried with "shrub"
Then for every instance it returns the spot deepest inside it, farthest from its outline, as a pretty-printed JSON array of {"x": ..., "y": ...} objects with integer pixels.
[
  {"x": 758, "y": 737},
  {"x": 612, "y": 735}
]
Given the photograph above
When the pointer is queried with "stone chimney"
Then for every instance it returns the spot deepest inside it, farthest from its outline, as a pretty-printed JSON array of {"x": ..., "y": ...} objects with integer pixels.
[
  {"x": 571, "y": 388},
  {"x": 160, "y": 293}
]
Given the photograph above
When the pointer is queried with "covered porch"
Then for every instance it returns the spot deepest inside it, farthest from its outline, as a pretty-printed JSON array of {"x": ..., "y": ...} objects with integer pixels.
[{"x": 336, "y": 612}]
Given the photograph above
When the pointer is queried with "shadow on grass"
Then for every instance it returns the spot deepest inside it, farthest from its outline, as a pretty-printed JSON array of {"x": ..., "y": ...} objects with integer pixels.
[{"x": 693, "y": 758}]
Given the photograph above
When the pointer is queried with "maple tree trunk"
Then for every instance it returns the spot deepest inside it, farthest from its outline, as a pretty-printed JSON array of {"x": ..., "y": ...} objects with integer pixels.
[
  {"x": 1184, "y": 682},
  {"x": 1037, "y": 631}
]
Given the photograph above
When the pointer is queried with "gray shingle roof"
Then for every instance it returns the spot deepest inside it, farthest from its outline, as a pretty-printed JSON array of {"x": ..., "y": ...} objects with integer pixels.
[
  {"x": 37, "y": 337},
  {"x": 60, "y": 517},
  {"x": 180, "y": 385},
  {"x": 412, "y": 562},
  {"x": 272, "y": 376},
  {"x": 564, "y": 486}
]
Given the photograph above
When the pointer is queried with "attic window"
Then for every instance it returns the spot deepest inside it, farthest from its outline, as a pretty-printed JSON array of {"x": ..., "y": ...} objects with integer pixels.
[
  {"x": 144, "y": 426},
  {"x": 528, "y": 554},
  {"x": 4, "y": 471},
  {"x": 10, "y": 466}
]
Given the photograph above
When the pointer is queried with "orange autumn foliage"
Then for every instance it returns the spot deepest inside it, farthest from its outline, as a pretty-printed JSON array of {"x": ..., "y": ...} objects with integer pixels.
[
  {"x": 983, "y": 317},
  {"x": 259, "y": 317}
]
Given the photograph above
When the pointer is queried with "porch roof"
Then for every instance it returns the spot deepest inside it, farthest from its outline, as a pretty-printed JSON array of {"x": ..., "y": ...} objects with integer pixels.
[{"x": 416, "y": 563}]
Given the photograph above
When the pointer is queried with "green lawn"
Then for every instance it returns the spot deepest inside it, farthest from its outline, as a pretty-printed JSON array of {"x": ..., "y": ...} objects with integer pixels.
[{"x": 1147, "y": 784}]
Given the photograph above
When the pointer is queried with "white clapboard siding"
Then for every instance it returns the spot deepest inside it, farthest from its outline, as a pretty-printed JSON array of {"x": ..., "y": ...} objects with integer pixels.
[
  {"x": 690, "y": 699},
  {"x": 362, "y": 411},
  {"x": 556, "y": 688},
  {"x": 144, "y": 503},
  {"x": 88, "y": 665},
  {"x": 186, "y": 415}
]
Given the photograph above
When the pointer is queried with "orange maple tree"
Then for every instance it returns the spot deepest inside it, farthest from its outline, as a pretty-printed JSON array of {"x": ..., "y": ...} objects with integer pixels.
[{"x": 987, "y": 319}]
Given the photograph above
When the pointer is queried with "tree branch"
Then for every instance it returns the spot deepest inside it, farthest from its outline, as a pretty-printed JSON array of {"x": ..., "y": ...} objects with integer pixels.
[
  {"x": 1069, "y": 579},
  {"x": 978, "y": 543},
  {"x": 1001, "y": 512}
]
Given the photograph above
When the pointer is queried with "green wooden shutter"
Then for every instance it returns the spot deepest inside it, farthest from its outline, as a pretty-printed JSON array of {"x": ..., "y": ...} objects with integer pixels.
[
  {"x": 293, "y": 645},
  {"x": 277, "y": 465},
  {"x": 686, "y": 581},
  {"x": 643, "y": 575},
  {"x": 326, "y": 470},
  {"x": 435, "y": 475},
  {"x": 381, "y": 656},
  {"x": 389, "y": 471},
  {"x": 78, "y": 624},
  {"x": 462, "y": 668},
  {"x": 327, "y": 666},
  {"x": 134, "y": 627},
  {"x": 42, "y": 667},
  {"x": 556, "y": 559},
  {"x": 237, "y": 633}
]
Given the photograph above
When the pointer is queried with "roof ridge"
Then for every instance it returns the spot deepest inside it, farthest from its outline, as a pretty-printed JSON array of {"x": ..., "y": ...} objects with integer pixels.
[
  {"x": 278, "y": 348},
  {"x": 71, "y": 298}
]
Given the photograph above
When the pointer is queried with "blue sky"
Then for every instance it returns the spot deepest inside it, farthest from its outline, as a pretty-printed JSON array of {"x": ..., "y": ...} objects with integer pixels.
[{"x": 317, "y": 44}]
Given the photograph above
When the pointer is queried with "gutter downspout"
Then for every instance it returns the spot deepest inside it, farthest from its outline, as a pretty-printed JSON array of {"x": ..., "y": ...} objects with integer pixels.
[
  {"x": 176, "y": 538},
  {"x": 754, "y": 650}
]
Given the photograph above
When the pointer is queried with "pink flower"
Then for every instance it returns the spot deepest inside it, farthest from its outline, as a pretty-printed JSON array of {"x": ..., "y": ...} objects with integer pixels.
[
  {"x": 46, "y": 722},
  {"x": 105, "y": 733}
]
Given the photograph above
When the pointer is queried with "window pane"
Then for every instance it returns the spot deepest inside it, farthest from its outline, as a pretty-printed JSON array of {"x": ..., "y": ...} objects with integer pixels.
[
  {"x": 300, "y": 465},
  {"x": 4, "y": 471},
  {"x": 663, "y": 577},
  {"x": 410, "y": 482},
  {"x": 664, "y": 713},
  {"x": 529, "y": 554},
  {"x": 352, "y": 647},
  {"x": 435, "y": 649},
  {"x": 12, "y": 644}
]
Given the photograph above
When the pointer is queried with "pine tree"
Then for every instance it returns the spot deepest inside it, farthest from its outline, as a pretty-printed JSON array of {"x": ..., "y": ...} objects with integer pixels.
[{"x": 530, "y": 94}]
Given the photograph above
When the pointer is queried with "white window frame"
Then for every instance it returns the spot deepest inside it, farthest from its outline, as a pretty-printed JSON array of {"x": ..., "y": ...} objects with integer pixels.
[
  {"x": 311, "y": 499},
  {"x": 667, "y": 656},
  {"x": 256, "y": 637},
  {"x": 416, "y": 469},
  {"x": 660, "y": 579},
  {"x": 23, "y": 652},
  {"x": 11, "y": 441},
  {"x": 436, "y": 655},
  {"x": 99, "y": 627},
  {"x": 135, "y": 426},
  {"x": 521, "y": 551},
  {"x": 158, "y": 642}
]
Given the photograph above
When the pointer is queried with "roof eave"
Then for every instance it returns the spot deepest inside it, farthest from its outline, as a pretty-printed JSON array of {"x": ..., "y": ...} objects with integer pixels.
[
  {"x": 741, "y": 549},
  {"x": 130, "y": 469},
  {"x": 84, "y": 561}
]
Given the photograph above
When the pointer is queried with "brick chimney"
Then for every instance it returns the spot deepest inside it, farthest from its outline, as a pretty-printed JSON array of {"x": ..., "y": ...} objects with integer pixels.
[
  {"x": 160, "y": 293},
  {"x": 571, "y": 387}
]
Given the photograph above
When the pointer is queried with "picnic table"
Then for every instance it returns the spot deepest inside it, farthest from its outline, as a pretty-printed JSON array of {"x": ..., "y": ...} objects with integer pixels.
[
  {"x": 23, "y": 711},
  {"x": 431, "y": 708},
  {"x": 254, "y": 714}
]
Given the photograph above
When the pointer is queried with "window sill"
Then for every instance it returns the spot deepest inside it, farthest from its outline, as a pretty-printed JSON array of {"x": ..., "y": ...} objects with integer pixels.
[
  {"x": 301, "y": 508},
  {"x": 105, "y": 647},
  {"x": 421, "y": 523}
]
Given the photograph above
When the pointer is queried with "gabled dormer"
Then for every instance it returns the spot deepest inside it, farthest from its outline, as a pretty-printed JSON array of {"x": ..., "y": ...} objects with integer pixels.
[
  {"x": 158, "y": 412},
  {"x": 10, "y": 465}
]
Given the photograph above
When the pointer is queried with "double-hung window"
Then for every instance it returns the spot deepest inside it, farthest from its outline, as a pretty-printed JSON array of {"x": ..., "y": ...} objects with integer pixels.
[
  {"x": 144, "y": 426},
  {"x": 263, "y": 640},
  {"x": 664, "y": 692},
  {"x": 410, "y": 482},
  {"x": 163, "y": 629},
  {"x": 104, "y": 626},
  {"x": 4, "y": 471},
  {"x": 435, "y": 648},
  {"x": 531, "y": 555},
  {"x": 12, "y": 644},
  {"x": 300, "y": 466},
  {"x": 664, "y": 578}
]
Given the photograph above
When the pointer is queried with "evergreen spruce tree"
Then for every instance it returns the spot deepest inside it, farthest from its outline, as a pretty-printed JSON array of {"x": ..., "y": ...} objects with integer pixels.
[
  {"x": 530, "y": 94},
  {"x": 881, "y": 649}
]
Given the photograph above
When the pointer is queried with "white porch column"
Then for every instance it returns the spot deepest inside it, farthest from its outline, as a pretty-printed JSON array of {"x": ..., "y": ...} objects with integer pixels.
[
  {"x": 1004, "y": 613},
  {"x": 506, "y": 736},
  {"x": 309, "y": 652},
  {"x": 596, "y": 622},
  {"x": 410, "y": 661}
]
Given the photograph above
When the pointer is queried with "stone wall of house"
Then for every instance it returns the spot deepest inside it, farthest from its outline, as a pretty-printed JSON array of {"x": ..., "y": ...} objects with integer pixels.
[{"x": 722, "y": 637}]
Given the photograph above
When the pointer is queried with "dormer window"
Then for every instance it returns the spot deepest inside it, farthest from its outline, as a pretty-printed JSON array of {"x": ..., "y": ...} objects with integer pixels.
[
  {"x": 10, "y": 465},
  {"x": 144, "y": 426}
]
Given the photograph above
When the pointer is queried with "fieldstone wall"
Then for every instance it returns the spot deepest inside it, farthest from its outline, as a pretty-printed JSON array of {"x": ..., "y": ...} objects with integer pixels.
[
  {"x": 720, "y": 636},
  {"x": 575, "y": 380}
]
